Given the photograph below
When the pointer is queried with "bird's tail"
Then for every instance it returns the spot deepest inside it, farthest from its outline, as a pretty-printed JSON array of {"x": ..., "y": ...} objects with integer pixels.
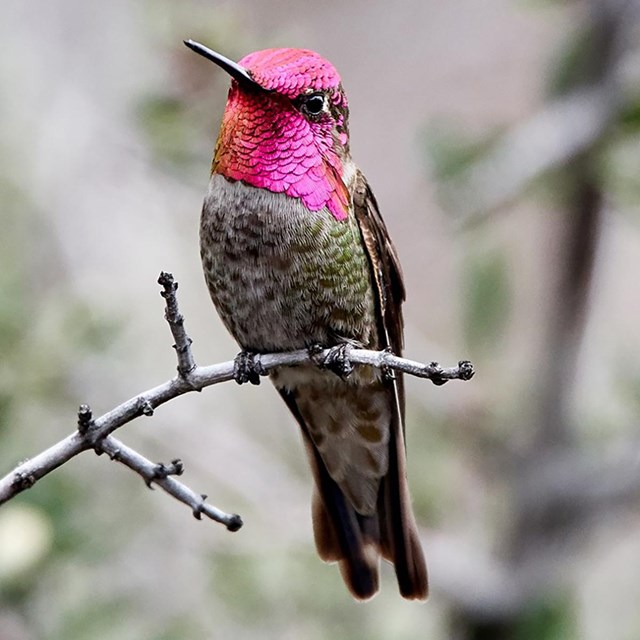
[{"x": 357, "y": 542}]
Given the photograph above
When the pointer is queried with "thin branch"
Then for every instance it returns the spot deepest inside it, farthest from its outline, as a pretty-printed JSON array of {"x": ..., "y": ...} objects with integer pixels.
[
  {"x": 162, "y": 475},
  {"x": 96, "y": 433},
  {"x": 186, "y": 361},
  {"x": 27, "y": 473}
]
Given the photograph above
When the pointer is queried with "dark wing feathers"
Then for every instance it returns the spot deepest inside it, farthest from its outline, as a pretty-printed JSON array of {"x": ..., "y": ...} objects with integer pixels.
[
  {"x": 385, "y": 265},
  {"x": 399, "y": 541}
]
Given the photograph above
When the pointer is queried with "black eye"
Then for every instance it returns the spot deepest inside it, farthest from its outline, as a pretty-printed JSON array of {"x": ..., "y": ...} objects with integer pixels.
[{"x": 313, "y": 104}]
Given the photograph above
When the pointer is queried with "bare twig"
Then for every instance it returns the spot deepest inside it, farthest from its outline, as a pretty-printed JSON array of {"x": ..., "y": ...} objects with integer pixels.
[
  {"x": 27, "y": 473},
  {"x": 96, "y": 433},
  {"x": 162, "y": 475},
  {"x": 186, "y": 361}
]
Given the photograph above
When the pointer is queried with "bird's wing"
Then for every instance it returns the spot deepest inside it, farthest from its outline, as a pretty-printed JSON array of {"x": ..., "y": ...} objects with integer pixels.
[
  {"x": 385, "y": 266},
  {"x": 399, "y": 539}
]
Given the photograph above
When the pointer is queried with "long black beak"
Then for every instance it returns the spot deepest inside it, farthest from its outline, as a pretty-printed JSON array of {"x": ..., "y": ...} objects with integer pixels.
[{"x": 231, "y": 67}]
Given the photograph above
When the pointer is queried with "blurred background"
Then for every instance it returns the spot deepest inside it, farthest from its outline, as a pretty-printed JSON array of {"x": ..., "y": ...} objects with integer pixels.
[{"x": 502, "y": 139}]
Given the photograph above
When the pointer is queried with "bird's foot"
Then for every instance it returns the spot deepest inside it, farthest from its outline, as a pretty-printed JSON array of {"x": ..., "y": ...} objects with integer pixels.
[
  {"x": 337, "y": 360},
  {"x": 388, "y": 374},
  {"x": 248, "y": 368},
  {"x": 316, "y": 352}
]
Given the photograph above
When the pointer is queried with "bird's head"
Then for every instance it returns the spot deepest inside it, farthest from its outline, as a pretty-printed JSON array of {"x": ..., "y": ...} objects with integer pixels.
[{"x": 285, "y": 126}]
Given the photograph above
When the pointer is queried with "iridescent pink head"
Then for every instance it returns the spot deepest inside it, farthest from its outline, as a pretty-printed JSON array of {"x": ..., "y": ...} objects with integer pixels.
[{"x": 285, "y": 127}]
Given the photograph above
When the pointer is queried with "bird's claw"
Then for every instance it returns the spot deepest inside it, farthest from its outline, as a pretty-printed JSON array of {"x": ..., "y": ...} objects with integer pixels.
[
  {"x": 337, "y": 360},
  {"x": 247, "y": 368},
  {"x": 388, "y": 374},
  {"x": 315, "y": 353}
]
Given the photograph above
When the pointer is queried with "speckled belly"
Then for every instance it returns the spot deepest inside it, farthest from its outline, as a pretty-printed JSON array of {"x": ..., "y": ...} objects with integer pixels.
[{"x": 283, "y": 277}]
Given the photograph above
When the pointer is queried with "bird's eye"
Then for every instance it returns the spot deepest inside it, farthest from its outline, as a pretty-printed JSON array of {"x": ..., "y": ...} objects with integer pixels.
[{"x": 313, "y": 104}]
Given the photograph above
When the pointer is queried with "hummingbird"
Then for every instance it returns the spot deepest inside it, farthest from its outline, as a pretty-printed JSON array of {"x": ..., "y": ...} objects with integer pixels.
[{"x": 296, "y": 255}]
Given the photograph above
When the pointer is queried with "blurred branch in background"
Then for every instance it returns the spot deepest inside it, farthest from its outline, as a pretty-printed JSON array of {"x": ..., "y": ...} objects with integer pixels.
[
  {"x": 550, "y": 139},
  {"x": 95, "y": 434},
  {"x": 577, "y": 117},
  {"x": 558, "y": 490}
]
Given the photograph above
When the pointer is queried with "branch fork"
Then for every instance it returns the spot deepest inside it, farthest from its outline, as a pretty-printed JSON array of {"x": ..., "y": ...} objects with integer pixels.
[{"x": 96, "y": 433}]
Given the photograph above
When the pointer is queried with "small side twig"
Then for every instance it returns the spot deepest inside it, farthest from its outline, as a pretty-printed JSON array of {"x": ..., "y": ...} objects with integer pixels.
[
  {"x": 85, "y": 418},
  {"x": 186, "y": 361},
  {"x": 432, "y": 371},
  {"x": 162, "y": 476}
]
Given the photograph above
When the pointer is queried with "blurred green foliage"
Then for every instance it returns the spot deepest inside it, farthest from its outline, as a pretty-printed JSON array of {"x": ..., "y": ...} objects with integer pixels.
[
  {"x": 450, "y": 150},
  {"x": 167, "y": 130},
  {"x": 551, "y": 619},
  {"x": 487, "y": 299}
]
